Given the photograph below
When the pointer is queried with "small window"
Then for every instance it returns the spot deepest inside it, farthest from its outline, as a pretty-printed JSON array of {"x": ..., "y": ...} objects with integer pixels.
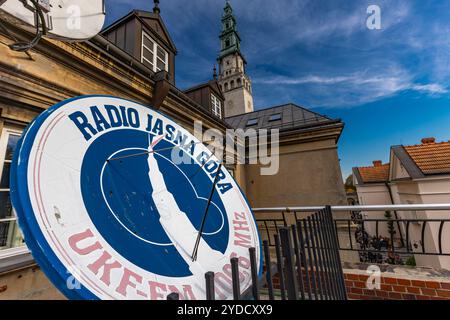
[
  {"x": 275, "y": 117},
  {"x": 216, "y": 106},
  {"x": 10, "y": 235},
  {"x": 227, "y": 43},
  {"x": 153, "y": 55},
  {"x": 252, "y": 122}
]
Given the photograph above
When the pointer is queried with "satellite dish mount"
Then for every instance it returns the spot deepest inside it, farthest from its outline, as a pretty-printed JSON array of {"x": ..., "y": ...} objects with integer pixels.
[
  {"x": 40, "y": 23},
  {"x": 66, "y": 20}
]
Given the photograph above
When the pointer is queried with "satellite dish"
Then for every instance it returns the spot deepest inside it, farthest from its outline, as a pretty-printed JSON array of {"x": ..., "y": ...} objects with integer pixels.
[
  {"x": 69, "y": 20},
  {"x": 111, "y": 196}
]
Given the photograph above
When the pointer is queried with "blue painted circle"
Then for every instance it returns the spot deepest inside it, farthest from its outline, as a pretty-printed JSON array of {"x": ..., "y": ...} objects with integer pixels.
[{"x": 122, "y": 208}]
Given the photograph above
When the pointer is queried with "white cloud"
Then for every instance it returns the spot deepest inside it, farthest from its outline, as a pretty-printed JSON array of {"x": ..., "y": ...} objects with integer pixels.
[
  {"x": 431, "y": 88},
  {"x": 352, "y": 89},
  {"x": 335, "y": 59}
]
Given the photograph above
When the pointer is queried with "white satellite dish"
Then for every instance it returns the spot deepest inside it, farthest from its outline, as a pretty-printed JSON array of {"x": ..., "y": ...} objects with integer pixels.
[{"x": 69, "y": 20}]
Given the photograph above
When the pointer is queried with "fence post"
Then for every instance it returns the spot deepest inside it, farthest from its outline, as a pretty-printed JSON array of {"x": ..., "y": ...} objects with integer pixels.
[
  {"x": 286, "y": 243},
  {"x": 315, "y": 249},
  {"x": 268, "y": 269},
  {"x": 235, "y": 278},
  {"x": 298, "y": 261},
  {"x": 209, "y": 279},
  {"x": 330, "y": 256},
  {"x": 280, "y": 266},
  {"x": 173, "y": 296},
  {"x": 254, "y": 271},
  {"x": 304, "y": 259},
  {"x": 322, "y": 253},
  {"x": 340, "y": 272},
  {"x": 310, "y": 259}
]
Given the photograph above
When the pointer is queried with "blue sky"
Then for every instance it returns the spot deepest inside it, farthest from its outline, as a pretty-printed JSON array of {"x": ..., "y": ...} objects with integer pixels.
[{"x": 389, "y": 86}]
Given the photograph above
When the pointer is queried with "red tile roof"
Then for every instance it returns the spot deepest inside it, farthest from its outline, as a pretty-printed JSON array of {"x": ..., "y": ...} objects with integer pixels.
[
  {"x": 431, "y": 157},
  {"x": 377, "y": 173}
]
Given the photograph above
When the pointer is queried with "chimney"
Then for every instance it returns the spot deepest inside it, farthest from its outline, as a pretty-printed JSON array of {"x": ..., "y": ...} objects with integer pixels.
[
  {"x": 428, "y": 140},
  {"x": 377, "y": 163}
]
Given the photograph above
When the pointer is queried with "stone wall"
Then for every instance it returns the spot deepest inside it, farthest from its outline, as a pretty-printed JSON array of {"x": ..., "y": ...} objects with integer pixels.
[{"x": 29, "y": 283}]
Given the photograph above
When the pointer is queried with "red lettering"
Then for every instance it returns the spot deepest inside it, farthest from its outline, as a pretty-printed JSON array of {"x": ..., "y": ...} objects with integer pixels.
[
  {"x": 239, "y": 216},
  {"x": 155, "y": 294},
  {"x": 126, "y": 282},
  {"x": 76, "y": 238},
  {"x": 107, "y": 267},
  {"x": 240, "y": 225},
  {"x": 242, "y": 240}
]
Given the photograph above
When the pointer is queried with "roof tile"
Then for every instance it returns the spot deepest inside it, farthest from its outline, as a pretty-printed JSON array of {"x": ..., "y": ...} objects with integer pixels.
[
  {"x": 431, "y": 158},
  {"x": 372, "y": 174}
]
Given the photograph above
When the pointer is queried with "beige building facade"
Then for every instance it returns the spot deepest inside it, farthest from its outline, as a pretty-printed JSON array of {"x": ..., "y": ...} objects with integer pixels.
[{"x": 417, "y": 174}]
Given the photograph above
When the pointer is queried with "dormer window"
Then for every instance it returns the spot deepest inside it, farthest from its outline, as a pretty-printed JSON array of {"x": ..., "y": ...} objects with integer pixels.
[
  {"x": 153, "y": 55},
  {"x": 275, "y": 117},
  {"x": 216, "y": 106},
  {"x": 252, "y": 122}
]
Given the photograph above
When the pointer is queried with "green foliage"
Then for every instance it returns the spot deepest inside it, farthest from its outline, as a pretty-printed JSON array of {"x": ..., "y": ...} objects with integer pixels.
[
  {"x": 411, "y": 261},
  {"x": 390, "y": 223},
  {"x": 349, "y": 187}
]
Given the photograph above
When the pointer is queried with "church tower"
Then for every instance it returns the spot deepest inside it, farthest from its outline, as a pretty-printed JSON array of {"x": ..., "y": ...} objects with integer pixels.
[{"x": 235, "y": 84}]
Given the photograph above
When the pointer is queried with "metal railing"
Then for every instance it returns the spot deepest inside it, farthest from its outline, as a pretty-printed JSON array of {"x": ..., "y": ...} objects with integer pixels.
[
  {"x": 372, "y": 246},
  {"x": 307, "y": 265}
]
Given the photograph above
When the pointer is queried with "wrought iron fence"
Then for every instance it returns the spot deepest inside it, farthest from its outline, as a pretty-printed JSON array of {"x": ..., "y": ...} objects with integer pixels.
[
  {"x": 394, "y": 246},
  {"x": 306, "y": 265}
]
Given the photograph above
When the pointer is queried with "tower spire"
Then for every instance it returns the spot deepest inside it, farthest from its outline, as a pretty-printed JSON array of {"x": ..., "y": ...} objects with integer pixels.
[
  {"x": 156, "y": 7},
  {"x": 229, "y": 37},
  {"x": 215, "y": 72},
  {"x": 235, "y": 84}
]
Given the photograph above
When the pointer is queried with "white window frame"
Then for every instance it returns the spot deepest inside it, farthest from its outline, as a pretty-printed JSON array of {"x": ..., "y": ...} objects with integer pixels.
[
  {"x": 4, "y": 137},
  {"x": 216, "y": 106},
  {"x": 154, "y": 50}
]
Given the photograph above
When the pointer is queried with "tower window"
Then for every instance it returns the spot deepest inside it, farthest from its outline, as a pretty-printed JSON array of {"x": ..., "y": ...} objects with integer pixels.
[
  {"x": 252, "y": 122},
  {"x": 226, "y": 86},
  {"x": 239, "y": 82},
  {"x": 216, "y": 106},
  {"x": 227, "y": 43},
  {"x": 232, "y": 84},
  {"x": 153, "y": 55}
]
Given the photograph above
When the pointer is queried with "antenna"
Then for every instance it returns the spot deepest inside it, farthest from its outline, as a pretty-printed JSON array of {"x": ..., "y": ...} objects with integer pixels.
[
  {"x": 200, "y": 232},
  {"x": 67, "y": 20}
]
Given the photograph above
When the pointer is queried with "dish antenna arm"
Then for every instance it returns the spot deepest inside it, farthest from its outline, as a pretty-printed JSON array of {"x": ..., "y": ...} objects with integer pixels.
[
  {"x": 200, "y": 232},
  {"x": 41, "y": 30}
]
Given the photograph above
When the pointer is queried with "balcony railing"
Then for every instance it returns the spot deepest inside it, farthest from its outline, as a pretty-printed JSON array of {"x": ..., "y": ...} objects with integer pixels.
[{"x": 390, "y": 239}]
